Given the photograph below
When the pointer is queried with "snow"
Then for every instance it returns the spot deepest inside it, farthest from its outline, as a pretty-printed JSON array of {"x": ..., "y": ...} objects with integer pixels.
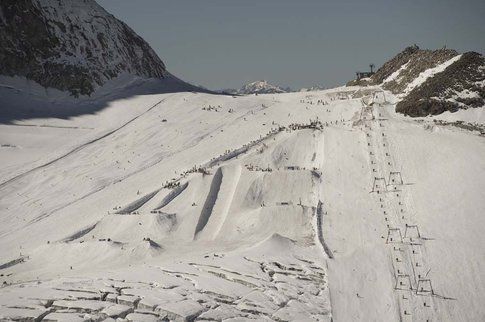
[
  {"x": 280, "y": 218},
  {"x": 470, "y": 115},
  {"x": 312, "y": 88},
  {"x": 458, "y": 96},
  {"x": 396, "y": 74}
]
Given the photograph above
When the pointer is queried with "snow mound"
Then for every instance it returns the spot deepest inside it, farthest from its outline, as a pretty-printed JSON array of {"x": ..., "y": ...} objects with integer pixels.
[{"x": 276, "y": 243}]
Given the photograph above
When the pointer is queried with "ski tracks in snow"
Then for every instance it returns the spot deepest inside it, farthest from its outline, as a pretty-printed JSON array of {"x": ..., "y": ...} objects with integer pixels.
[
  {"x": 80, "y": 147},
  {"x": 393, "y": 196}
]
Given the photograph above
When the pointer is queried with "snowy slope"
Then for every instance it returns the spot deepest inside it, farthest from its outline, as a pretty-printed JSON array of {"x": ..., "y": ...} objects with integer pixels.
[
  {"x": 66, "y": 58},
  {"x": 324, "y": 205}
]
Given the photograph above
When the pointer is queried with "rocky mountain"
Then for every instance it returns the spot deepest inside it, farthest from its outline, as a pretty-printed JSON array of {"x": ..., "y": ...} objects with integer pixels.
[
  {"x": 71, "y": 45},
  {"x": 461, "y": 85},
  {"x": 432, "y": 81},
  {"x": 261, "y": 87}
]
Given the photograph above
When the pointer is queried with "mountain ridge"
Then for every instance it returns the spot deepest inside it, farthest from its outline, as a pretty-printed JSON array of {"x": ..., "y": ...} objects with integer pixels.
[
  {"x": 74, "y": 46},
  {"x": 261, "y": 87}
]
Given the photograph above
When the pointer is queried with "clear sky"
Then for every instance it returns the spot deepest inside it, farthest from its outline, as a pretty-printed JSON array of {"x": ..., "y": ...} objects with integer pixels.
[{"x": 299, "y": 43}]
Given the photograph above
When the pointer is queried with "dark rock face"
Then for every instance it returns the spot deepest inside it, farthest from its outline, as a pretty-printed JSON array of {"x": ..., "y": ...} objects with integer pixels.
[
  {"x": 460, "y": 85},
  {"x": 72, "y": 45},
  {"x": 442, "y": 92},
  {"x": 394, "y": 64},
  {"x": 417, "y": 60},
  {"x": 388, "y": 68}
]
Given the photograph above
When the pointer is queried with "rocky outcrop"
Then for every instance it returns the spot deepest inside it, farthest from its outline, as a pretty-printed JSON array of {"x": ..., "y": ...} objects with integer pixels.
[
  {"x": 70, "y": 45},
  {"x": 416, "y": 61},
  {"x": 430, "y": 82},
  {"x": 460, "y": 85}
]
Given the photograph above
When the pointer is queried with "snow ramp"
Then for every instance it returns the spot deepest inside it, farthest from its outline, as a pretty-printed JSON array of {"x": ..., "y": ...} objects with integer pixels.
[
  {"x": 218, "y": 202},
  {"x": 171, "y": 196}
]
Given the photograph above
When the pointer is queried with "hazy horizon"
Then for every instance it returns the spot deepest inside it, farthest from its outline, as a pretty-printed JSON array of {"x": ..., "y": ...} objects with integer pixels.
[{"x": 221, "y": 44}]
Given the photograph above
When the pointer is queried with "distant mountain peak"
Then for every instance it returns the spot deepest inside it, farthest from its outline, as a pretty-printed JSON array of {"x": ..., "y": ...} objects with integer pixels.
[
  {"x": 312, "y": 88},
  {"x": 261, "y": 87}
]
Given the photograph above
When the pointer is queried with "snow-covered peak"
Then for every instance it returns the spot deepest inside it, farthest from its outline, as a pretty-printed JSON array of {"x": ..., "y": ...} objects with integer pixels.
[
  {"x": 71, "y": 45},
  {"x": 261, "y": 87}
]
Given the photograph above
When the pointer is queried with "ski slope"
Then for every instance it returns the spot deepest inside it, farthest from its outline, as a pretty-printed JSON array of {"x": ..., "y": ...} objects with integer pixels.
[{"x": 310, "y": 206}]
